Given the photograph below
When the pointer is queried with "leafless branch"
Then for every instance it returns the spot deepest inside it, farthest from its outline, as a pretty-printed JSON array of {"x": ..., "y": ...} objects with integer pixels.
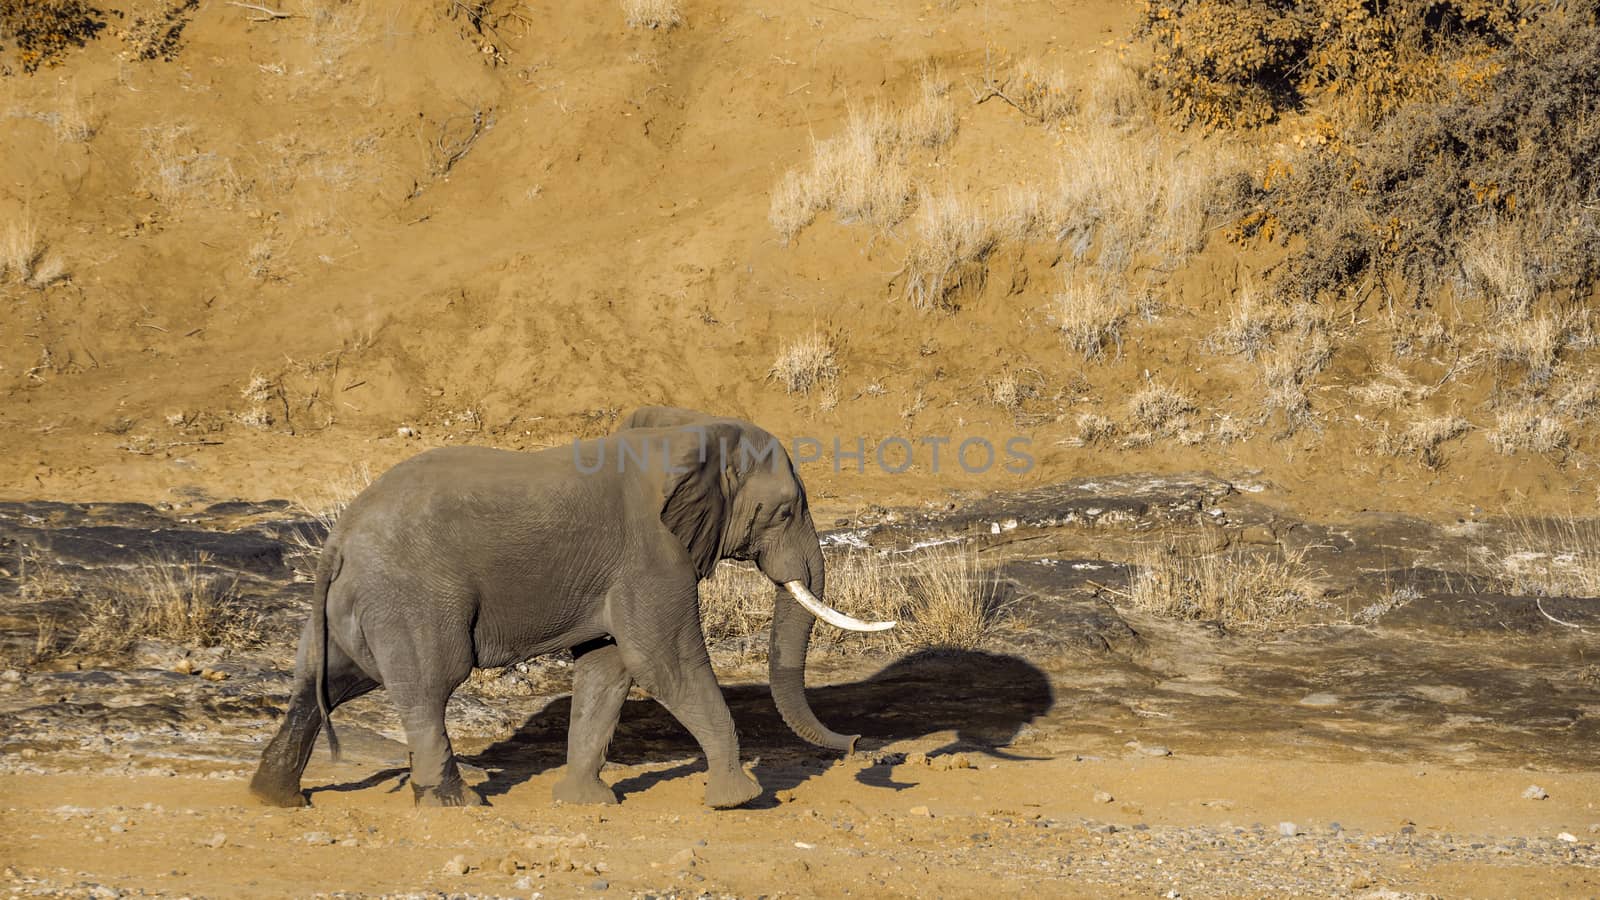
[{"x": 267, "y": 15}]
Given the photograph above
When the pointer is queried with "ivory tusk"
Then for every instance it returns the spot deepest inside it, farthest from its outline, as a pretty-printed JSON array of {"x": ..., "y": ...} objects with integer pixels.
[{"x": 830, "y": 615}]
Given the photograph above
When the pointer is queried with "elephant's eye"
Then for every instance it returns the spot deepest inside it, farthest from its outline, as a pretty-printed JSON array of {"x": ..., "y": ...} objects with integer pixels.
[{"x": 784, "y": 513}]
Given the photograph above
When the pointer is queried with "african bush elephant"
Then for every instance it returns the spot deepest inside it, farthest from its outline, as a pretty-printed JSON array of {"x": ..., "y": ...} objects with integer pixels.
[{"x": 470, "y": 557}]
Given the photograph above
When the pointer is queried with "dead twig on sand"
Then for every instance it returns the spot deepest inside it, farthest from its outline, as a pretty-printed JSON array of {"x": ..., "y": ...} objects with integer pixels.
[
  {"x": 267, "y": 15},
  {"x": 1538, "y": 603}
]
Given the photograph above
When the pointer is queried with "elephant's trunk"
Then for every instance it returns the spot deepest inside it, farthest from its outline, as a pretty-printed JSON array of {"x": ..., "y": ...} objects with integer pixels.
[{"x": 791, "y": 636}]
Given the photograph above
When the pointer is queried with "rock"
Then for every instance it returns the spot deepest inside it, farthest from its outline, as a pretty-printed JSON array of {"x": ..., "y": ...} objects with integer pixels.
[
  {"x": 957, "y": 761},
  {"x": 1288, "y": 829},
  {"x": 184, "y": 667},
  {"x": 1595, "y": 828},
  {"x": 509, "y": 864},
  {"x": 916, "y": 758},
  {"x": 683, "y": 859},
  {"x": 1567, "y": 837},
  {"x": 317, "y": 837},
  {"x": 921, "y": 811},
  {"x": 213, "y": 674},
  {"x": 1534, "y": 792},
  {"x": 10, "y": 676},
  {"x": 1155, "y": 750},
  {"x": 217, "y": 840},
  {"x": 118, "y": 829},
  {"x": 1103, "y": 797},
  {"x": 349, "y": 842},
  {"x": 1320, "y": 700},
  {"x": 522, "y": 884},
  {"x": 456, "y": 865},
  {"x": 599, "y": 884}
]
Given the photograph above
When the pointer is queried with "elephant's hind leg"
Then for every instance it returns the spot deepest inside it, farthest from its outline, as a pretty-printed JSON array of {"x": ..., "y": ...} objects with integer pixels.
[
  {"x": 277, "y": 778},
  {"x": 599, "y": 687}
]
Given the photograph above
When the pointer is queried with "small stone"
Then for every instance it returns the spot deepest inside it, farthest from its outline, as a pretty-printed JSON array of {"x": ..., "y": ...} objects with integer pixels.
[
  {"x": 456, "y": 865},
  {"x": 683, "y": 859},
  {"x": 1103, "y": 797},
  {"x": 317, "y": 837},
  {"x": 961, "y": 761},
  {"x": 1567, "y": 837},
  {"x": 217, "y": 840},
  {"x": 118, "y": 829},
  {"x": 916, "y": 758},
  {"x": 10, "y": 676},
  {"x": 184, "y": 667},
  {"x": 1288, "y": 829},
  {"x": 1320, "y": 700},
  {"x": 213, "y": 674},
  {"x": 522, "y": 884},
  {"x": 599, "y": 884},
  {"x": 1595, "y": 828},
  {"x": 921, "y": 811},
  {"x": 509, "y": 865},
  {"x": 1534, "y": 792},
  {"x": 349, "y": 842},
  {"x": 1155, "y": 750}
]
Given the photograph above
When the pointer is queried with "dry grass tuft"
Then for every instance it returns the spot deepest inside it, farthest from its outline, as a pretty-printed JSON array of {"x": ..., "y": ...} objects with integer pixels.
[
  {"x": 652, "y": 14},
  {"x": 325, "y": 506},
  {"x": 1495, "y": 260},
  {"x": 23, "y": 255},
  {"x": 807, "y": 362},
  {"x": 1391, "y": 390},
  {"x": 1009, "y": 390},
  {"x": 1553, "y": 557},
  {"x": 1158, "y": 411},
  {"x": 1040, "y": 93},
  {"x": 948, "y": 259},
  {"x": 1529, "y": 429},
  {"x": 735, "y": 602},
  {"x": 1094, "y": 428},
  {"x": 1533, "y": 343},
  {"x": 1250, "y": 326},
  {"x": 1423, "y": 438},
  {"x": 180, "y": 173},
  {"x": 169, "y": 600},
  {"x": 929, "y": 120},
  {"x": 1234, "y": 586},
  {"x": 1089, "y": 317}
]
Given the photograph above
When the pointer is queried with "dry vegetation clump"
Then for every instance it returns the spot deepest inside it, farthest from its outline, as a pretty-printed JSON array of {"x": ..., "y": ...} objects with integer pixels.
[
  {"x": 940, "y": 597},
  {"x": 1240, "y": 588},
  {"x": 180, "y": 173},
  {"x": 653, "y": 14},
  {"x": 36, "y": 33},
  {"x": 1089, "y": 317},
  {"x": 1044, "y": 95},
  {"x": 1423, "y": 438},
  {"x": 1132, "y": 193},
  {"x": 1094, "y": 428},
  {"x": 861, "y": 174},
  {"x": 948, "y": 258},
  {"x": 1009, "y": 390},
  {"x": 325, "y": 506},
  {"x": 1157, "y": 411},
  {"x": 1528, "y": 429},
  {"x": 1533, "y": 344},
  {"x": 155, "y": 28},
  {"x": 1288, "y": 370},
  {"x": 1392, "y": 389},
  {"x": 183, "y": 601},
  {"x": 807, "y": 362},
  {"x": 1553, "y": 557},
  {"x": 1490, "y": 183}
]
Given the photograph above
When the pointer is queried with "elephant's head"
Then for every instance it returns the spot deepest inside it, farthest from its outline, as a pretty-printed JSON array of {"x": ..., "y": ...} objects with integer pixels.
[{"x": 740, "y": 498}]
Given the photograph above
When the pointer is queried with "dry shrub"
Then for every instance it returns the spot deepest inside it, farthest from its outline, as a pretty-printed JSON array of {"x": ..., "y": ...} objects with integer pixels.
[
  {"x": 41, "y": 31},
  {"x": 806, "y": 362},
  {"x": 1044, "y": 95},
  {"x": 1494, "y": 179},
  {"x": 155, "y": 28},
  {"x": 1117, "y": 95},
  {"x": 948, "y": 257},
  {"x": 861, "y": 174},
  {"x": 1252, "y": 320},
  {"x": 1533, "y": 344},
  {"x": 735, "y": 602},
  {"x": 1528, "y": 429},
  {"x": 653, "y": 14},
  {"x": 1288, "y": 370},
  {"x": 1089, "y": 317},
  {"x": 325, "y": 505},
  {"x": 1423, "y": 438},
  {"x": 1235, "y": 586},
  {"x": 1238, "y": 63},
  {"x": 180, "y": 173},
  {"x": 1009, "y": 390},
  {"x": 1128, "y": 194},
  {"x": 1553, "y": 557},
  {"x": 1157, "y": 411},
  {"x": 170, "y": 600},
  {"x": 1094, "y": 428}
]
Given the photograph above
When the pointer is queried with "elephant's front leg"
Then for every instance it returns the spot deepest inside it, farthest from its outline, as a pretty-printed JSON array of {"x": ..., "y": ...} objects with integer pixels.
[
  {"x": 662, "y": 647},
  {"x": 599, "y": 686}
]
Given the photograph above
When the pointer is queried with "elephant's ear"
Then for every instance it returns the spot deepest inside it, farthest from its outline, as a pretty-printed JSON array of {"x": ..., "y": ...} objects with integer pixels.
[{"x": 697, "y": 492}]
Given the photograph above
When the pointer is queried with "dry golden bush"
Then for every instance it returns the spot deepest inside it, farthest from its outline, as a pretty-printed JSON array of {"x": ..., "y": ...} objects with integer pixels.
[
  {"x": 176, "y": 169},
  {"x": 654, "y": 14},
  {"x": 170, "y": 600},
  {"x": 1009, "y": 391},
  {"x": 1117, "y": 95},
  {"x": 1494, "y": 257},
  {"x": 1251, "y": 322},
  {"x": 1392, "y": 389},
  {"x": 951, "y": 600},
  {"x": 1238, "y": 587},
  {"x": 1287, "y": 371},
  {"x": 1423, "y": 438},
  {"x": 1528, "y": 429},
  {"x": 1089, "y": 316},
  {"x": 735, "y": 602},
  {"x": 807, "y": 362},
  {"x": 948, "y": 255},
  {"x": 1094, "y": 428},
  {"x": 1043, "y": 94},
  {"x": 930, "y": 119},
  {"x": 1533, "y": 343}
]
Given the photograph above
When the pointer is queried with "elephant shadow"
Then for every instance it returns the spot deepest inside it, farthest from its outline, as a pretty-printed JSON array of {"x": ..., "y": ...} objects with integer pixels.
[{"x": 984, "y": 698}]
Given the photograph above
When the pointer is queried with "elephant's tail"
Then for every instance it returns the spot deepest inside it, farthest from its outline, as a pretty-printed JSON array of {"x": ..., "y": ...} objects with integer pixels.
[{"x": 327, "y": 570}]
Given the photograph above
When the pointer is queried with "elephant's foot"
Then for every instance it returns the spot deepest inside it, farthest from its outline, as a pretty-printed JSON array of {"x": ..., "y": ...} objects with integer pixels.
[
  {"x": 590, "y": 790},
  {"x": 731, "y": 788},
  {"x": 276, "y": 790},
  {"x": 453, "y": 792}
]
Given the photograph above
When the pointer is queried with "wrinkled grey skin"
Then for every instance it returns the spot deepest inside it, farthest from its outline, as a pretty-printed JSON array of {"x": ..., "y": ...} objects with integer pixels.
[{"x": 470, "y": 557}]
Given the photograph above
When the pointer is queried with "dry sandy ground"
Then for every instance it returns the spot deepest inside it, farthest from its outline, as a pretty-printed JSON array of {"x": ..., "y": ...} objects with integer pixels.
[{"x": 1192, "y": 827}]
